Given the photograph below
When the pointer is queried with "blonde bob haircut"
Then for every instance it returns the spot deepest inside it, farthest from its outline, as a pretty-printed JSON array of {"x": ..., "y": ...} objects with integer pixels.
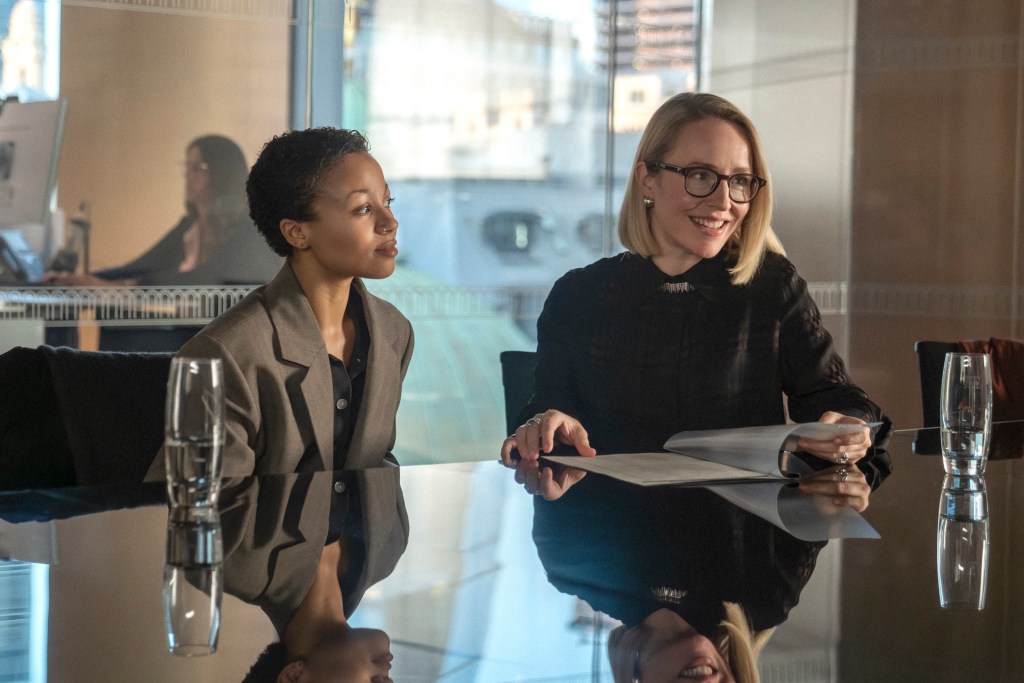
[
  {"x": 738, "y": 644},
  {"x": 754, "y": 236}
]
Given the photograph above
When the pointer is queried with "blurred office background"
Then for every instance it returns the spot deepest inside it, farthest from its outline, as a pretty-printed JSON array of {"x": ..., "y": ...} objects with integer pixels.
[{"x": 506, "y": 129}]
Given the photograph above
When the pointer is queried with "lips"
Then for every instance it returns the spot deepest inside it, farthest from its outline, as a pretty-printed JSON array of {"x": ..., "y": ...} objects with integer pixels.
[
  {"x": 699, "y": 669},
  {"x": 390, "y": 249},
  {"x": 709, "y": 226}
]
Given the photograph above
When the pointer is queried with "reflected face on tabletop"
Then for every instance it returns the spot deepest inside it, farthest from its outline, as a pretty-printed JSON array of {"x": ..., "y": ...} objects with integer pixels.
[
  {"x": 687, "y": 228},
  {"x": 665, "y": 648},
  {"x": 360, "y": 655},
  {"x": 197, "y": 177},
  {"x": 353, "y": 232}
]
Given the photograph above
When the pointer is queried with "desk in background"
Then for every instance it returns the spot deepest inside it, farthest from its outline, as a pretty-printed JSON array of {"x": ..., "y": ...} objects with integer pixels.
[{"x": 113, "y": 318}]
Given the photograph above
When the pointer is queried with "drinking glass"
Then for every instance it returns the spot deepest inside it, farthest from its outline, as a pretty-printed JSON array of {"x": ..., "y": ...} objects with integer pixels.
[
  {"x": 193, "y": 581},
  {"x": 966, "y": 413},
  {"x": 962, "y": 543},
  {"x": 194, "y": 431}
]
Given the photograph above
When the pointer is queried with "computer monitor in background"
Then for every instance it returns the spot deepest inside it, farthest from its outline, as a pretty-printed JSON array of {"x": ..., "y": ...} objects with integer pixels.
[{"x": 30, "y": 138}]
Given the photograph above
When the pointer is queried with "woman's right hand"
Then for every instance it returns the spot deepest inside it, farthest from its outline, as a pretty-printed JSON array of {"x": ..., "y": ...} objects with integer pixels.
[
  {"x": 65, "y": 279},
  {"x": 537, "y": 435}
]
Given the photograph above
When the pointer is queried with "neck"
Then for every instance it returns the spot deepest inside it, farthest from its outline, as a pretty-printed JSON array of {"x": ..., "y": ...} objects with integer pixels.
[
  {"x": 328, "y": 297},
  {"x": 321, "y": 614}
]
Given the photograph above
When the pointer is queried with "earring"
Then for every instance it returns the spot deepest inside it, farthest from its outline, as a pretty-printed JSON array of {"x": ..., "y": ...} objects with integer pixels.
[{"x": 648, "y": 202}]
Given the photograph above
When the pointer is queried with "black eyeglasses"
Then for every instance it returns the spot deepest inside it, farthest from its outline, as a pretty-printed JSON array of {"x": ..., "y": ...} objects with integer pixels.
[{"x": 701, "y": 182}]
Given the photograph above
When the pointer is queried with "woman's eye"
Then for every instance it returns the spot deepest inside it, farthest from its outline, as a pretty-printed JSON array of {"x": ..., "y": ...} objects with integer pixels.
[
  {"x": 364, "y": 209},
  {"x": 387, "y": 202}
]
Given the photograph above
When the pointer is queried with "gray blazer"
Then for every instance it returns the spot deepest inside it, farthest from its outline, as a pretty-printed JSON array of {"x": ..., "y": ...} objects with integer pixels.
[
  {"x": 274, "y": 530},
  {"x": 279, "y": 399}
]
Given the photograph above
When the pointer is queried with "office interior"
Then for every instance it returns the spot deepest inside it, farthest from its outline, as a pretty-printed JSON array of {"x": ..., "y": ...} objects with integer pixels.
[{"x": 894, "y": 131}]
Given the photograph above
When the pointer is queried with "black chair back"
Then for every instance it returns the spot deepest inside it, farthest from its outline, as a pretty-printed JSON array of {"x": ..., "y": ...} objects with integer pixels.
[
  {"x": 517, "y": 377},
  {"x": 930, "y": 357}
]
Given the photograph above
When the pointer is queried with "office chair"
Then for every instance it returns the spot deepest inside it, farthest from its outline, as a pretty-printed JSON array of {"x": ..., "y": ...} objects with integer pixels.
[
  {"x": 34, "y": 451},
  {"x": 79, "y": 418},
  {"x": 930, "y": 357},
  {"x": 112, "y": 409},
  {"x": 517, "y": 370}
]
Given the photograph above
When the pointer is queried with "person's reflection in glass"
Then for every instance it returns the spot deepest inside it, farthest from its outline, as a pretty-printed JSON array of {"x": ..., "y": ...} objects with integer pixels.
[
  {"x": 664, "y": 647},
  {"x": 318, "y": 644},
  {"x": 305, "y": 549},
  {"x": 214, "y": 243},
  {"x": 695, "y": 581}
]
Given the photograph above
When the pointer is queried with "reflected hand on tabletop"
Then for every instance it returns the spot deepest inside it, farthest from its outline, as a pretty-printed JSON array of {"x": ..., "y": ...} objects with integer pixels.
[
  {"x": 549, "y": 482},
  {"x": 842, "y": 450},
  {"x": 844, "y": 486}
]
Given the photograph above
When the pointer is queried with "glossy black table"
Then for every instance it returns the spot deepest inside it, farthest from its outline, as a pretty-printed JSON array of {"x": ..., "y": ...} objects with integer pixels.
[{"x": 470, "y": 598}]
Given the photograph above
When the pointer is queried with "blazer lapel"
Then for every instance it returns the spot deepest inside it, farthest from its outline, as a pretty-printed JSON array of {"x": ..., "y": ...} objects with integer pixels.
[
  {"x": 301, "y": 343},
  {"x": 374, "y": 427}
]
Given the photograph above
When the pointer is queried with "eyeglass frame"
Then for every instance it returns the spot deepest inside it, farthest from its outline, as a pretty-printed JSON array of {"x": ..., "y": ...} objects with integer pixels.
[
  {"x": 686, "y": 170},
  {"x": 193, "y": 167}
]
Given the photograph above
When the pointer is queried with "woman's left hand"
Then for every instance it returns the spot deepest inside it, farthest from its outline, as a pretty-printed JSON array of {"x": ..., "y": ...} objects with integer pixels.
[
  {"x": 845, "y": 449},
  {"x": 843, "y": 486}
]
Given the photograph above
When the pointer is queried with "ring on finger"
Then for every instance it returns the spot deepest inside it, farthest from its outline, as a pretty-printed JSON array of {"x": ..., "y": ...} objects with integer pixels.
[
  {"x": 533, "y": 421},
  {"x": 843, "y": 475},
  {"x": 843, "y": 458}
]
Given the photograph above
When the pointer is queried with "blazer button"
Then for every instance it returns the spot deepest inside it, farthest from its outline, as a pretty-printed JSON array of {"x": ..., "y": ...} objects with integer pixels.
[
  {"x": 342, "y": 404},
  {"x": 339, "y": 487}
]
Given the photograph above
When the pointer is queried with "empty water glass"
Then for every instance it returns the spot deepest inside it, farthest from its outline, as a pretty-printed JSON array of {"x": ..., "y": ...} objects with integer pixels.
[
  {"x": 966, "y": 413},
  {"x": 194, "y": 431}
]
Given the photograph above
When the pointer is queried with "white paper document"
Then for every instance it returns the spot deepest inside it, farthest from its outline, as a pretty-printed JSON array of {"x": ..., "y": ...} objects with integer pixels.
[
  {"x": 752, "y": 467},
  {"x": 714, "y": 456}
]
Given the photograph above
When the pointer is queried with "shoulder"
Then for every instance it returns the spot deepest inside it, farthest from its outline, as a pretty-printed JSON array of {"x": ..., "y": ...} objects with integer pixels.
[
  {"x": 384, "y": 315},
  {"x": 776, "y": 270},
  {"x": 606, "y": 278},
  {"x": 244, "y": 324}
]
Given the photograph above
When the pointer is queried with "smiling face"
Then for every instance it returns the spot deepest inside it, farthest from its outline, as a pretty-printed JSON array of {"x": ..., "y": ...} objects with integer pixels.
[
  {"x": 666, "y": 648},
  {"x": 687, "y": 228},
  {"x": 353, "y": 231}
]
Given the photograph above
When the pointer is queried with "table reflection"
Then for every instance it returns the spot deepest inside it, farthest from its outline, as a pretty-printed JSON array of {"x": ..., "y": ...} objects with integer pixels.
[
  {"x": 493, "y": 582},
  {"x": 962, "y": 543},
  {"x": 666, "y": 562},
  {"x": 305, "y": 549}
]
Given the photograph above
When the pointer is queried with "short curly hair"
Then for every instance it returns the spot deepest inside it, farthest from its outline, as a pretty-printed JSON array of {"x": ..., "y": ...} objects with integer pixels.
[
  {"x": 268, "y": 665},
  {"x": 284, "y": 179}
]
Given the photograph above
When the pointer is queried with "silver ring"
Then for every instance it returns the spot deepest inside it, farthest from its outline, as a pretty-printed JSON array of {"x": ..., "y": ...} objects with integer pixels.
[
  {"x": 843, "y": 475},
  {"x": 533, "y": 421},
  {"x": 843, "y": 458}
]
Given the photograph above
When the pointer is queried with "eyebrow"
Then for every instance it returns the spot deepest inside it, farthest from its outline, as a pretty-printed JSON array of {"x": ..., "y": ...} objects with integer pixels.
[{"x": 330, "y": 193}]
